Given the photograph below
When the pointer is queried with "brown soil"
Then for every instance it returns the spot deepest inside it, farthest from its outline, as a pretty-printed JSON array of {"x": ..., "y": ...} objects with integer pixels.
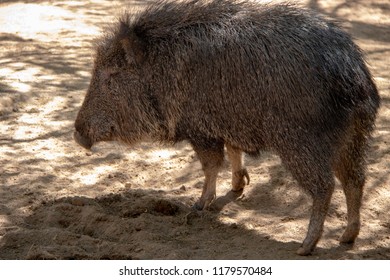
[{"x": 58, "y": 201}]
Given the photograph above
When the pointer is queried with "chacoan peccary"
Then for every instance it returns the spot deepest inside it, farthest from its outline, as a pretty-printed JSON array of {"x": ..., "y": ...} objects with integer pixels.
[{"x": 246, "y": 76}]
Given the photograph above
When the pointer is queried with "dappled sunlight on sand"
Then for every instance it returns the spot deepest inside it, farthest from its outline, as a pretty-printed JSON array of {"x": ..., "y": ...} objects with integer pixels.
[
  {"x": 45, "y": 23},
  {"x": 93, "y": 175}
]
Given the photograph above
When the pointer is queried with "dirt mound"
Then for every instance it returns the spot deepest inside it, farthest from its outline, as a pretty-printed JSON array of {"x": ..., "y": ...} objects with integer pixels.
[{"x": 113, "y": 226}]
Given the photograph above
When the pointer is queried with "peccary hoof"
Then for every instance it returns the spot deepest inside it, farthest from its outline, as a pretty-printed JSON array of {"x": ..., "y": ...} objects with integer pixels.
[
  {"x": 350, "y": 234},
  {"x": 197, "y": 206},
  {"x": 303, "y": 251}
]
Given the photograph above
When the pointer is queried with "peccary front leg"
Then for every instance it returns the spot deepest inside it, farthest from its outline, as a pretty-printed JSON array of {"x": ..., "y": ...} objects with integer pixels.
[
  {"x": 211, "y": 156},
  {"x": 240, "y": 176}
]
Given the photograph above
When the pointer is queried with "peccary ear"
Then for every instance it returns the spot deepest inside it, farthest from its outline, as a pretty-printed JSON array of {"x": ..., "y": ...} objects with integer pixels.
[{"x": 131, "y": 44}]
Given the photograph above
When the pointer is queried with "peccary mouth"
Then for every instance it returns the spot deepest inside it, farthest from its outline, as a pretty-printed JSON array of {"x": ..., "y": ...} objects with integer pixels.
[{"x": 82, "y": 140}]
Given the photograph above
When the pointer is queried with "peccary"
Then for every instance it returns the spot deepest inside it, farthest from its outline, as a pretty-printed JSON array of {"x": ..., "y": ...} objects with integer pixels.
[{"x": 246, "y": 76}]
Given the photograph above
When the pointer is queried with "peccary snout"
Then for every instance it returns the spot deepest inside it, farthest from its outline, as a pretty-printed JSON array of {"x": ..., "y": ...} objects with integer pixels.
[{"x": 82, "y": 140}]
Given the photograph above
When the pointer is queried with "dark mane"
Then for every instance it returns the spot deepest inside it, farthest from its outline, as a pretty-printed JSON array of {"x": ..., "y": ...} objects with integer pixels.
[{"x": 168, "y": 18}]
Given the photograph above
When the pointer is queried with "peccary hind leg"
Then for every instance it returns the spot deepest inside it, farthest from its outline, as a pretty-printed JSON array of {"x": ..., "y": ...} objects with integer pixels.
[
  {"x": 211, "y": 156},
  {"x": 351, "y": 172},
  {"x": 240, "y": 176},
  {"x": 321, "y": 201},
  {"x": 353, "y": 190},
  {"x": 315, "y": 175}
]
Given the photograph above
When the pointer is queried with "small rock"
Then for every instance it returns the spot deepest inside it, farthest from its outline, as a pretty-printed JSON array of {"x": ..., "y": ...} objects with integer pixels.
[
  {"x": 33, "y": 111},
  {"x": 79, "y": 201},
  {"x": 7, "y": 105},
  {"x": 138, "y": 228}
]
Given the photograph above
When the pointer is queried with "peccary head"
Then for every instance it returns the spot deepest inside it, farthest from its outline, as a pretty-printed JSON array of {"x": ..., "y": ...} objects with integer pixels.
[{"x": 116, "y": 107}]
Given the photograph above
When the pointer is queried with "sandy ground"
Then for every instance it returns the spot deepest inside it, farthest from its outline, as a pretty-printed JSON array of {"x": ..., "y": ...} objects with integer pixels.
[{"x": 58, "y": 201}]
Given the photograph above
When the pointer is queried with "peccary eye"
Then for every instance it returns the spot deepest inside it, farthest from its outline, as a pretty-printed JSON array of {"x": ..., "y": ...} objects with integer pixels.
[{"x": 107, "y": 74}]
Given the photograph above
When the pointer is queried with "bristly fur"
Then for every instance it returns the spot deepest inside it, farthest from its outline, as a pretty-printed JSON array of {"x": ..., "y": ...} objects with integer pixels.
[
  {"x": 245, "y": 75},
  {"x": 171, "y": 33}
]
